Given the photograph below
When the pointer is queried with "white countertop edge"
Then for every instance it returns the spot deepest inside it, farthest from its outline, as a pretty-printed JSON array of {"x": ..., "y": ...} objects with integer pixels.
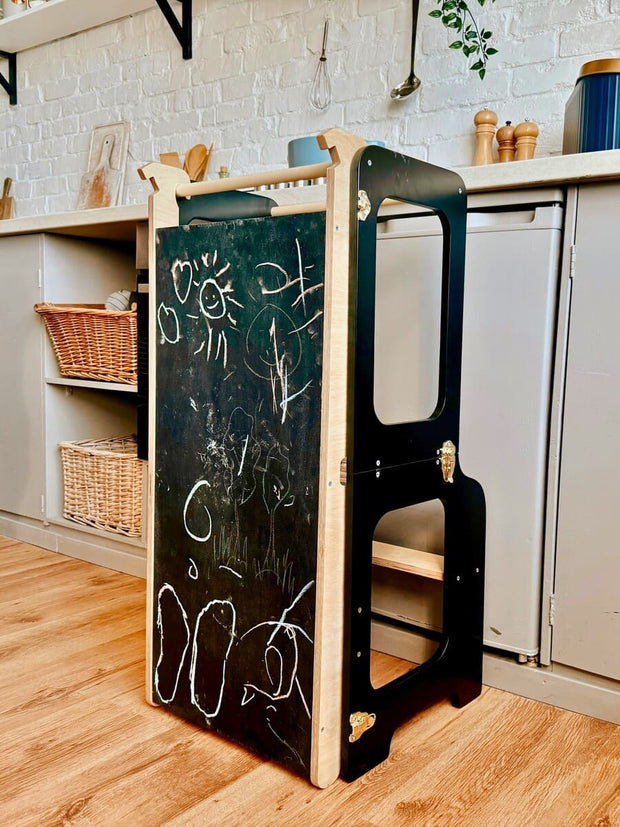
[
  {"x": 75, "y": 219},
  {"x": 548, "y": 170}
]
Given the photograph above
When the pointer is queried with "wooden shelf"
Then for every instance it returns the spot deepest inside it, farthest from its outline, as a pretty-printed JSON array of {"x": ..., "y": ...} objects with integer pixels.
[
  {"x": 410, "y": 560},
  {"x": 92, "y": 383},
  {"x": 62, "y": 18}
]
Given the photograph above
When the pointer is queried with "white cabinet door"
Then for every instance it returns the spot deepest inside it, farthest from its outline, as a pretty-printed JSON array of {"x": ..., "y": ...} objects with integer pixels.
[
  {"x": 21, "y": 409},
  {"x": 586, "y": 632}
]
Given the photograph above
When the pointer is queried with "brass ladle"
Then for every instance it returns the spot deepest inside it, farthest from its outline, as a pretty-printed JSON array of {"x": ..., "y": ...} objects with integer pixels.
[{"x": 411, "y": 84}]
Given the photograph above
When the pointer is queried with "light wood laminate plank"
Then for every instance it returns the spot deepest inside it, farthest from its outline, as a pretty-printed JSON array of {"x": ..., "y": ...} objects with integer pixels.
[
  {"x": 411, "y": 560},
  {"x": 81, "y": 746}
]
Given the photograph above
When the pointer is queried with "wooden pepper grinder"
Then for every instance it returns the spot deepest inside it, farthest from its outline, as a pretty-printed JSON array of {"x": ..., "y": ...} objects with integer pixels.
[
  {"x": 485, "y": 121},
  {"x": 525, "y": 140},
  {"x": 506, "y": 142}
]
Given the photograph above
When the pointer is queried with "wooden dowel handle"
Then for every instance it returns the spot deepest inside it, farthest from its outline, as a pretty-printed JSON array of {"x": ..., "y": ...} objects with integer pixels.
[{"x": 254, "y": 180}]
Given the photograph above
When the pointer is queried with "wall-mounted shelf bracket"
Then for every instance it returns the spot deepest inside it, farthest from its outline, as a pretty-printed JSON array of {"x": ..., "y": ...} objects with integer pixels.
[
  {"x": 183, "y": 30},
  {"x": 10, "y": 85}
]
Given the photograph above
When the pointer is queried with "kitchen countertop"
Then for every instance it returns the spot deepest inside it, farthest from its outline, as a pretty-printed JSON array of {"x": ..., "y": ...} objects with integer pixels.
[{"x": 119, "y": 222}]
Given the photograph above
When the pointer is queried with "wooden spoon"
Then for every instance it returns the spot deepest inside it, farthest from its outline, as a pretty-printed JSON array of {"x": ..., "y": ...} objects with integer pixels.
[{"x": 195, "y": 160}]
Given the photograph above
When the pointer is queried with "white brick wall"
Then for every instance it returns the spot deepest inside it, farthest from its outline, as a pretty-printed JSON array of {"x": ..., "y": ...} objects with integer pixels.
[{"x": 246, "y": 88}]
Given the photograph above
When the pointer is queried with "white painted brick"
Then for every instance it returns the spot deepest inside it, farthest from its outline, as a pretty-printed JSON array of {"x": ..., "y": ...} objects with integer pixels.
[
  {"x": 453, "y": 152},
  {"x": 238, "y": 87},
  {"x": 543, "y": 16},
  {"x": 594, "y": 39},
  {"x": 207, "y": 70},
  {"x": 234, "y": 111},
  {"x": 539, "y": 78},
  {"x": 60, "y": 89},
  {"x": 534, "y": 48},
  {"x": 235, "y": 40},
  {"x": 278, "y": 8}
]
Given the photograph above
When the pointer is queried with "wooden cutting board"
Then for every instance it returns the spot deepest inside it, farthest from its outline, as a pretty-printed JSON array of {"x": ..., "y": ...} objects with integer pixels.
[
  {"x": 7, "y": 205},
  {"x": 99, "y": 187}
]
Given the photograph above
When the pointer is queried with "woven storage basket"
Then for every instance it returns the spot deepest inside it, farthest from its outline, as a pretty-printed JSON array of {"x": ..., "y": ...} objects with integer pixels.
[
  {"x": 103, "y": 484},
  {"x": 91, "y": 342}
]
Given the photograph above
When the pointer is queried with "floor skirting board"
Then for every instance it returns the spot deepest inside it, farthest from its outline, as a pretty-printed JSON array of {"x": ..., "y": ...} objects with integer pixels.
[{"x": 87, "y": 544}]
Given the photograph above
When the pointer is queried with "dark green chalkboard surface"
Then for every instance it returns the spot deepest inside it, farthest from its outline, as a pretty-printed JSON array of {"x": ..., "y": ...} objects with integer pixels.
[{"x": 239, "y": 324}]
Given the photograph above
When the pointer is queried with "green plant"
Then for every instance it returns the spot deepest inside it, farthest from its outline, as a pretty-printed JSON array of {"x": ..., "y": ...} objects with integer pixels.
[{"x": 474, "y": 40}]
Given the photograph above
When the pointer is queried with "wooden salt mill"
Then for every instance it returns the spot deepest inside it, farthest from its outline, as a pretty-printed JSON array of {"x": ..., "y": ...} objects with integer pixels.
[
  {"x": 485, "y": 121},
  {"x": 525, "y": 140},
  {"x": 506, "y": 142}
]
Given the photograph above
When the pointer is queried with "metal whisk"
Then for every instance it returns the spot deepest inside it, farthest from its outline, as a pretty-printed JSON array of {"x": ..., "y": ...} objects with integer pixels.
[{"x": 320, "y": 96}]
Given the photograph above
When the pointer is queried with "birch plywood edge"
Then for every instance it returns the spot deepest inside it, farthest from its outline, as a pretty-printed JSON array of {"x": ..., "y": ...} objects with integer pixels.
[
  {"x": 410, "y": 560},
  {"x": 163, "y": 212},
  {"x": 329, "y": 621}
]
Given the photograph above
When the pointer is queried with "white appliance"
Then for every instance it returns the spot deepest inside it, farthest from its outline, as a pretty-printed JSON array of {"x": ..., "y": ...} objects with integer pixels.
[{"x": 511, "y": 285}]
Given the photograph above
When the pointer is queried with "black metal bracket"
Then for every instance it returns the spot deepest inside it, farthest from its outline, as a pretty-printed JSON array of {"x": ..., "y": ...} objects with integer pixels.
[
  {"x": 183, "y": 30},
  {"x": 10, "y": 85}
]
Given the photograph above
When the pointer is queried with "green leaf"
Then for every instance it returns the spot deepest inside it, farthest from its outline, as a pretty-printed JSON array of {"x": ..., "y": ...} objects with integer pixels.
[
  {"x": 491, "y": 51},
  {"x": 434, "y": 13},
  {"x": 470, "y": 34},
  {"x": 456, "y": 44},
  {"x": 477, "y": 65},
  {"x": 482, "y": 73},
  {"x": 451, "y": 4}
]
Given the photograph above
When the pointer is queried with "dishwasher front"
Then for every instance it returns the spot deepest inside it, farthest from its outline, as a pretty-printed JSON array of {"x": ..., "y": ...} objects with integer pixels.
[{"x": 511, "y": 286}]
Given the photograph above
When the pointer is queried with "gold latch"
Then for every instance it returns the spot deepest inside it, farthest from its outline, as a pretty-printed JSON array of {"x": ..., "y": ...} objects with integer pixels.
[
  {"x": 363, "y": 205},
  {"x": 447, "y": 458},
  {"x": 360, "y": 722}
]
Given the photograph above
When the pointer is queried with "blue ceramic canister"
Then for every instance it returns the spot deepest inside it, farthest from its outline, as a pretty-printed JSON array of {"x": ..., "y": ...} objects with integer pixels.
[{"x": 592, "y": 116}]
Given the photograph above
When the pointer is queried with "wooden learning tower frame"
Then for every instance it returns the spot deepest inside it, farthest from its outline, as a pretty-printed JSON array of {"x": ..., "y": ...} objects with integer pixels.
[{"x": 269, "y": 468}]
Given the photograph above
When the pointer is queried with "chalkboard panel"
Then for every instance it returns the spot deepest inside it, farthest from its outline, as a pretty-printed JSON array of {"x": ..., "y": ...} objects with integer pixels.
[{"x": 239, "y": 333}]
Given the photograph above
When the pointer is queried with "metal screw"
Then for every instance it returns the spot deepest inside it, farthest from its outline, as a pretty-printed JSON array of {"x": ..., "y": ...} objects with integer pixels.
[
  {"x": 359, "y": 654},
  {"x": 369, "y": 163}
]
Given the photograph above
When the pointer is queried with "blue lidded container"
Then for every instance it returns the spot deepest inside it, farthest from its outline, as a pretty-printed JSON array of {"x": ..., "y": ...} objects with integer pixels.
[
  {"x": 592, "y": 115},
  {"x": 306, "y": 151}
]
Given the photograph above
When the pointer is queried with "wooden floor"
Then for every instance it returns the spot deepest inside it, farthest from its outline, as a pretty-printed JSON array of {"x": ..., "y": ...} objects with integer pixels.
[{"x": 80, "y": 746}]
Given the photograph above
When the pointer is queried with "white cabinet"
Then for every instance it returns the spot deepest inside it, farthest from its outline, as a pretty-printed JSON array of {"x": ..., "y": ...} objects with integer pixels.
[
  {"x": 21, "y": 411},
  {"x": 586, "y": 630},
  {"x": 41, "y": 408},
  {"x": 511, "y": 278}
]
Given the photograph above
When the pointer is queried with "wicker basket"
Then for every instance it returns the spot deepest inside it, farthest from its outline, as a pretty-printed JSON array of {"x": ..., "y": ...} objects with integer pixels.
[
  {"x": 103, "y": 484},
  {"x": 91, "y": 342}
]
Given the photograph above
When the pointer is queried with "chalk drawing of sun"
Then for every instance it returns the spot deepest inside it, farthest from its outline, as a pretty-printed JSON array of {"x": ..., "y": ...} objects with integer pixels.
[{"x": 216, "y": 302}]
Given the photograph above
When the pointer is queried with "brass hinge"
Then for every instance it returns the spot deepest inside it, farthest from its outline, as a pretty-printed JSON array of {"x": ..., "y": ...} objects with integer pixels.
[
  {"x": 551, "y": 609},
  {"x": 447, "y": 459},
  {"x": 344, "y": 471},
  {"x": 363, "y": 205},
  {"x": 360, "y": 722}
]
